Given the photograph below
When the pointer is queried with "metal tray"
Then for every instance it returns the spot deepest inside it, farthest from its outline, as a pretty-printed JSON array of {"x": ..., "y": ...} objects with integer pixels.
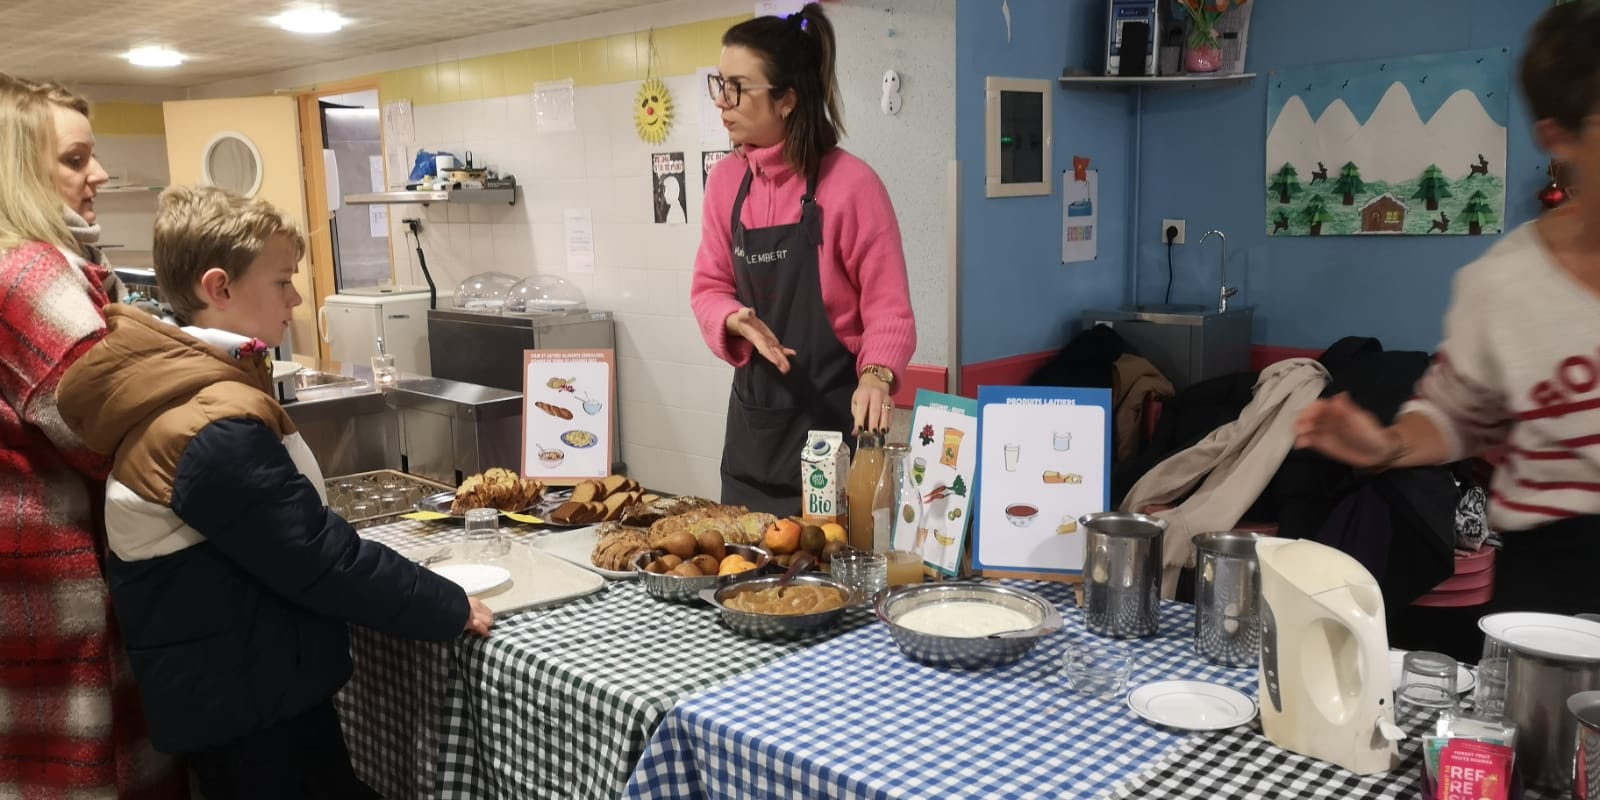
[
  {"x": 377, "y": 512},
  {"x": 440, "y": 504}
]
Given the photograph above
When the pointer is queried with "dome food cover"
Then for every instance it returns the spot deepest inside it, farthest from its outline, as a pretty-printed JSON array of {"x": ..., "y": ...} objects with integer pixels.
[
  {"x": 485, "y": 291},
  {"x": 545, "y": 294}
]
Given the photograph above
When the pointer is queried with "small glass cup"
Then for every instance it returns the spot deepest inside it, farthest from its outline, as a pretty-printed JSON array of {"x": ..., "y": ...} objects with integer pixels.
[
  {"x": 865, "y": 572},
  {"x": 1489, "y": 694},
  {"x": 485, "y": 540},
  {"x": 1427, "y": 682},
  {"x": 1013, "y": 453},
  {"x": 384, "y": 372},
  {"x": 905, "y": 568},
  {"x": 1098, "y": 668},
  {"x": 362, "y": 509}
]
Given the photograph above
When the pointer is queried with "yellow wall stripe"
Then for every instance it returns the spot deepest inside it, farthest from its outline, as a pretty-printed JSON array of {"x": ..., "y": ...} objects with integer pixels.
[
  {"x": 128, "y": 119},
  {"x": 680, "y": 49}
]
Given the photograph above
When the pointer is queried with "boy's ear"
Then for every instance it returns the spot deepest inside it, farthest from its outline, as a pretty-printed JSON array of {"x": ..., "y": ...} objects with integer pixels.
[
  {"x": 214, "y": 291},
  {"x": 1555, "y": 139}
]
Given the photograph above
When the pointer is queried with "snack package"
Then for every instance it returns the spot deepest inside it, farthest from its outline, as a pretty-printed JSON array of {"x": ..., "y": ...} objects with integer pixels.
[
  {"x": 1474, "y": 770},
  {"x": 1457, "y": 730}
]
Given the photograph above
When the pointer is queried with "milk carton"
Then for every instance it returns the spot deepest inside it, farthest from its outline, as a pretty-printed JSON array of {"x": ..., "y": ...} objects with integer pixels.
[{"x": 824, "y": 471}]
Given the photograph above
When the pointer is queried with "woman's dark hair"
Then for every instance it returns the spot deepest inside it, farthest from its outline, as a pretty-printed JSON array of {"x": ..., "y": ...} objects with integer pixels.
[
  {"x": 1561, "y": 69},
  {"x": 799, "y": 55}
]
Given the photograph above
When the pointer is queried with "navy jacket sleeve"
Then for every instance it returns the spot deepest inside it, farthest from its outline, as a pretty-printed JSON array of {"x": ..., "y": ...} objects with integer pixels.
[{"x": 239, "y": 488}]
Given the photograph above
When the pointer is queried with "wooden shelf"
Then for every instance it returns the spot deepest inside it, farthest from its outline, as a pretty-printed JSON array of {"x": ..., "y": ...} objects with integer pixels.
[
  {"x": 1107, "y": 83},
  {"x": 130, "y": 189}
]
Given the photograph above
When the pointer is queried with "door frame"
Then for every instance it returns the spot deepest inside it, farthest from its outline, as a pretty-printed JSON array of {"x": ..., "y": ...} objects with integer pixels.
[{"x": 320, "y": 244}]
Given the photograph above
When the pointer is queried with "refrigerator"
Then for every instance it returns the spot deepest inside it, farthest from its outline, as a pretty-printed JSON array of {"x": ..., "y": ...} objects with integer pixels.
[{"x": 354, "y": 319}]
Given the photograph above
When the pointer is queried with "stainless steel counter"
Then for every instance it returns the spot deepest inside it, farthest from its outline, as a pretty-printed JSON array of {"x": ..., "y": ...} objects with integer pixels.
[
  {"x": 450, "y": 429},
  {"x": 349, "y": 429}
]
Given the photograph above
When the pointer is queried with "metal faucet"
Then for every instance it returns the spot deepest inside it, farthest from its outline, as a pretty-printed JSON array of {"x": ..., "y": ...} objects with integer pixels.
[{"x": 1225, "y": 291}]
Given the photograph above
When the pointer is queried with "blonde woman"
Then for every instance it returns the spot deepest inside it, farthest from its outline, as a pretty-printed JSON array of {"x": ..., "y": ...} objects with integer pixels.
[{"x": 70, "y": 724}]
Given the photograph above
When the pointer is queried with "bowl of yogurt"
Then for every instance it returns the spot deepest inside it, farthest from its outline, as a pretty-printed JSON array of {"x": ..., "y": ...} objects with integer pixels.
[{"x": 966, "y": 626}]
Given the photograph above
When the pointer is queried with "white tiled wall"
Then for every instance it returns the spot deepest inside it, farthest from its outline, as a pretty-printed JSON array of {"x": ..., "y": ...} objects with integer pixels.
[{"x": 673, "y": 392}]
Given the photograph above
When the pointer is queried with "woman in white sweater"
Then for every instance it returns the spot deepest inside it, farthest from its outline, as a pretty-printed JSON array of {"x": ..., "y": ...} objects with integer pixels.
[{"x": 1519, "y": 367}]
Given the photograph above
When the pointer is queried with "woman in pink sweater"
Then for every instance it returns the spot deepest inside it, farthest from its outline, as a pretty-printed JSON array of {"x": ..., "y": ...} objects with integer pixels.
[{"x": 800, "y": 282}]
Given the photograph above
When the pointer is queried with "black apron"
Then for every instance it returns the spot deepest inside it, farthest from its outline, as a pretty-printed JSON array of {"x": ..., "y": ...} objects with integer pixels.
[{"x": 777, "y": 273}]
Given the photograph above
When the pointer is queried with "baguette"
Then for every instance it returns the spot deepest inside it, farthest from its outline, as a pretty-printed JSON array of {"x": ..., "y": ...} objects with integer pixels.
[{"x": 553, "y": 410}]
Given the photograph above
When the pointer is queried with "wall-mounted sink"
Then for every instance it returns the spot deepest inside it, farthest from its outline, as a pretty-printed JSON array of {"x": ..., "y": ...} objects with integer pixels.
[{"x": 1188, "y": 343}]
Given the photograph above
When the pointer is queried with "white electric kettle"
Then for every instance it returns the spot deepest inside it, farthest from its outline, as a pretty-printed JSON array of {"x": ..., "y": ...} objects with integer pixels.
[{"x": 1325, "y": 685}]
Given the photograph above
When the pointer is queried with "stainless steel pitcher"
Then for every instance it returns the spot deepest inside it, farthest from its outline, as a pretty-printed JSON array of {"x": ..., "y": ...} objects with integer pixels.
[
  {"x": 1227, "y": 599},
  {"x": 1122, "y": 573},
  {"x": 1585, "y": 710}
]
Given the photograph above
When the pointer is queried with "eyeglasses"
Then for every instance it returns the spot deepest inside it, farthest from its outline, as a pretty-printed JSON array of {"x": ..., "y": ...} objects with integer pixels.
[{"x": 720, "y": 89}]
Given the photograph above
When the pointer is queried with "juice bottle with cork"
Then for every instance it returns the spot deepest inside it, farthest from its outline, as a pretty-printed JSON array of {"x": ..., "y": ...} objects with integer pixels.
[{"x": 863, "y": 485}]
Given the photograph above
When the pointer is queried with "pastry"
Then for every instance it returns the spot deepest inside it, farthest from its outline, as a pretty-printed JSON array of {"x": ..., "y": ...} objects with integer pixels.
[{"x": 553, "y": 410}]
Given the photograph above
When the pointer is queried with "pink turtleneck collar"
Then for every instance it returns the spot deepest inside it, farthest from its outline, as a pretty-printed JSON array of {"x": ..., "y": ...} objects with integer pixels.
[{"x": 767, "y": 161}]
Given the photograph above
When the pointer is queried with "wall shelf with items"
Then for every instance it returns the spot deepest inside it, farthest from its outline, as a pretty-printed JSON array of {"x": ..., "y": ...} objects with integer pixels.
[
  {"x": 1107, "y": 83},
  {"x": 1136, "y": 85}
]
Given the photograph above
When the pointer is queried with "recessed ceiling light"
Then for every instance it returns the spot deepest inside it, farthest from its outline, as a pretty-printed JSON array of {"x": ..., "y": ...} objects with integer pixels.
[
  {"x": 309, "y": 20},
  {"x": 151, "y": 56}
]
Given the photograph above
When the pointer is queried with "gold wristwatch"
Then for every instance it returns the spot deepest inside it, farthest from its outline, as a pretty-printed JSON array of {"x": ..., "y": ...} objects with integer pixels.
[{"x": 881, "y": 373}]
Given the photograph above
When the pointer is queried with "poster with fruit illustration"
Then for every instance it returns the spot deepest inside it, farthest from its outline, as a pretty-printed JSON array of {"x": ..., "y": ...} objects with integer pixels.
[
  {"x": 568, "y": 414},
  {"x": 1044, "y": 460},
  {"x": 944, "y": 456}
]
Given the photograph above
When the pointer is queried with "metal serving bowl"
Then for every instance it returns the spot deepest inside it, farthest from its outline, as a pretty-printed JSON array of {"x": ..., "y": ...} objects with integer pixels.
[
  {"x": 776, "y": 626},
  {"x": 965, "y": 652},
  {"x": 687, "y": 590}
]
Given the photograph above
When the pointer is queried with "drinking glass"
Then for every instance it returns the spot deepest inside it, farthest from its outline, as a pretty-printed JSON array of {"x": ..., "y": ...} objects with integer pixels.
[
  {"x": 1013, "y": 454},
  {"x": 1427, "y": 682},
  {"x": 384, "y": 372},
  {"x": 361, "y": 509},
  {"x": 865, "y": 572},
  {"x": 1489, "y": 695},
  {"x": 1098, "y": 668},
  {"x": 1062, "y": 440},
  {"x": 485, "y": 540}
]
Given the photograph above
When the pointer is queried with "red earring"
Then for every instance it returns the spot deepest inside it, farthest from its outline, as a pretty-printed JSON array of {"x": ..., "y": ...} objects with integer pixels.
[{"x": 1554, "y": 193}]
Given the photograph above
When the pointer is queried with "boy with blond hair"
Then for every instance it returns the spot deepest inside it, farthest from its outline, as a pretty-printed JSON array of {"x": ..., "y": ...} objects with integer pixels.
[{"x": 232, "y": 580}]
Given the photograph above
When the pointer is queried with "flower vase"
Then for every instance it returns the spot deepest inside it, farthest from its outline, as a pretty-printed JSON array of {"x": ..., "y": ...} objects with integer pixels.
[{"x": 1204, "y": 54}]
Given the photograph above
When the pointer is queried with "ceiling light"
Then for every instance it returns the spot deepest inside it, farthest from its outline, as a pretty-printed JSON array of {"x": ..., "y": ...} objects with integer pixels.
[
  {"x": 151, "y": 56},
  {"x": 309, "y": 20}
]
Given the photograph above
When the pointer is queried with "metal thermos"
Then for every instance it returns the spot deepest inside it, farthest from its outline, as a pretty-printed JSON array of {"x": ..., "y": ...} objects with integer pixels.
[
  {"x": 1227, "y": 599},
  {"x": 1122, "y": 573}
]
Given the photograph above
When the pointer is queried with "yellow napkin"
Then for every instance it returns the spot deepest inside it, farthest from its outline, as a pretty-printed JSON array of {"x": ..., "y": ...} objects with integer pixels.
[
  {"x": 426, "y": 516},
  {"x": 523, "y": 518}
]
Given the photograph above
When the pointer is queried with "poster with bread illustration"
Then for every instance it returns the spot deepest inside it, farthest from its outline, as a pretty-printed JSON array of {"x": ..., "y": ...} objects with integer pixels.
[
  {"x": 1044, "y": 460},
  {"x": 568, "y": 414},
  {"x": 944, "y": 446}
]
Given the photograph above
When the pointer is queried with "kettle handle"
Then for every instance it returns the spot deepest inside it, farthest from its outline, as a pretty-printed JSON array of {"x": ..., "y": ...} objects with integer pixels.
[
  {"x": 1357, "y": 604},
  {"x": 322, "y": 323}
]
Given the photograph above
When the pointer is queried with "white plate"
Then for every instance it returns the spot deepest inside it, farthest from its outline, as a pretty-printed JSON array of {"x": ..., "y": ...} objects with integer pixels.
[
  {"x": 1465, "y": 678},
  {"x": 1550, "y": 635},
  {"x": 475, "y": 578},
  {"x": 575, "y": 546},
  {"x": 1192, "y": 705}
]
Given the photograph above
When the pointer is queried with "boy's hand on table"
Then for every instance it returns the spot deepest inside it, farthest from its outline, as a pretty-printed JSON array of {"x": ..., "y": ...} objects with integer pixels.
[{"x": 481, "y": 617}]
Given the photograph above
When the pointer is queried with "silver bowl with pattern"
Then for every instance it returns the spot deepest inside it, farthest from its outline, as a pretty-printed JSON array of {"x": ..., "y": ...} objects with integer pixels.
[
  {"x": 962, "y": 652},
  {"x": 687, "y": 590},
  {"x": 777, "y": 626}
]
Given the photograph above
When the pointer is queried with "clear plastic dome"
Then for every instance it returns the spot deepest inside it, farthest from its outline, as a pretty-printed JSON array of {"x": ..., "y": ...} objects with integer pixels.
[
  {"x": 485, "y": 292},
  {"x": 545, "y": 294}
]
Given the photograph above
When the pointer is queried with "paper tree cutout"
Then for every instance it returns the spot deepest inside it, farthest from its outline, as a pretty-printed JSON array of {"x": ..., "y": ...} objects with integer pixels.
[
  {"x": 1434, "y": 187},
  {"x": 1349, "y": 183},
  {"x": 1478, "y": 214},
  {"x": 1286, "y": 184}
]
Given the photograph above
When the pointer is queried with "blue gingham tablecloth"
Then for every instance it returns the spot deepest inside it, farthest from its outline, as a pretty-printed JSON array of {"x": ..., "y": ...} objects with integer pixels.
[
  {"x": 557, "y": 703},
  {"x": 853, "y": 718}
]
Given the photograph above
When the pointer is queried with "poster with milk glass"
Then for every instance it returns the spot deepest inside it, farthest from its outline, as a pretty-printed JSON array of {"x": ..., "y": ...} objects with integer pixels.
[
  {"x": 567, "y": 397},
  {"x": 944, "y": 447},
  {"x": 1044, "y": 460}
]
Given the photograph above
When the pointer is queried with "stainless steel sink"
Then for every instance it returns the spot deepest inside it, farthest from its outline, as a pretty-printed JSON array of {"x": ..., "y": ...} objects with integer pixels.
[
  {"x": 310, "y": 384},
  {"x": 1188, "y": 343}
]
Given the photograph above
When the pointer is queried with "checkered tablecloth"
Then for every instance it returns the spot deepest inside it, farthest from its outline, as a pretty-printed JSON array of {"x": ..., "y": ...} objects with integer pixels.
[
  {"x": 1241, "y": 764},
  {"x": 853, "y": 718},
  {"x": 558, "y": 703}
]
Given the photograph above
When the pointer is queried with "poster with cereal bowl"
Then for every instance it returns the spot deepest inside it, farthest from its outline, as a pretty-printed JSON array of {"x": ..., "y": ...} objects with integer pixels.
[
  {"x": 568, "y": 414},
  {"x": 944, "y": 458},
  {"x": 1044, "y": 460}
]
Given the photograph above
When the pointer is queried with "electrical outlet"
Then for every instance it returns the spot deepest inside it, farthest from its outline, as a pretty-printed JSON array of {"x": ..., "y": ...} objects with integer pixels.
[{"x": 1172, "y": 223}]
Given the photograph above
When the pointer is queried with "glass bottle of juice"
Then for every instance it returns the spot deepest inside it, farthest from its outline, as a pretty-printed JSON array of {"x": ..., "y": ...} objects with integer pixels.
[
  {"x": 863, "y": 485},
  {"x": 886, "y": 499}
]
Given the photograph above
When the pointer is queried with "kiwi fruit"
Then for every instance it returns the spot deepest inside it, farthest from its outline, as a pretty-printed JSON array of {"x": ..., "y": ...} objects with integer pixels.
[{"x": 813, "y": 540}]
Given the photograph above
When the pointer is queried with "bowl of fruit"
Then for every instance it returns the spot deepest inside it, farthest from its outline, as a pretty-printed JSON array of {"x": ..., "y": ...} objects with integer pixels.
[
  {"x": 685, "y": 564},
  {"x": 787, "y": 538}
]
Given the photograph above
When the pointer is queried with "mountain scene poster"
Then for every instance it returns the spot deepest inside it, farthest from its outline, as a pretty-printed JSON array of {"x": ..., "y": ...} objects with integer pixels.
[{"x": 1413, "y": 145}]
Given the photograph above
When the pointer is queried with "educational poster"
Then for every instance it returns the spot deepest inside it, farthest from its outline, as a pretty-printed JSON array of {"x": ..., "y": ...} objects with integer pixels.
[
  {"x": 1044, "y": 460},
  {"x": 1079, "y": 216},
  {"x": 668, "y": 192},
  {"x": 709, "y": 159},
  {"x": 1413, "y": 145},
  {"x": 566, "y": 419},
  {"x": 944, "y": 459}
]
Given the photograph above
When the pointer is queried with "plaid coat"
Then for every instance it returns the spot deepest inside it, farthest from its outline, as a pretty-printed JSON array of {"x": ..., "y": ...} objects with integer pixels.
[{"x": 71, "y": 727}]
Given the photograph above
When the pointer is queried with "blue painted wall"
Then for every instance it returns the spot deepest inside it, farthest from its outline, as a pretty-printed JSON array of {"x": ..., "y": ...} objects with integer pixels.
[
  {"x": 1203, "y": 160},
  {"x": 1017, "y": 296}
]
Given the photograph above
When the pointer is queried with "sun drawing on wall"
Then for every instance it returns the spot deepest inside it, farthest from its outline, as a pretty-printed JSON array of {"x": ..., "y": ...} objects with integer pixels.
[{"x": 652, "y": 111}]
